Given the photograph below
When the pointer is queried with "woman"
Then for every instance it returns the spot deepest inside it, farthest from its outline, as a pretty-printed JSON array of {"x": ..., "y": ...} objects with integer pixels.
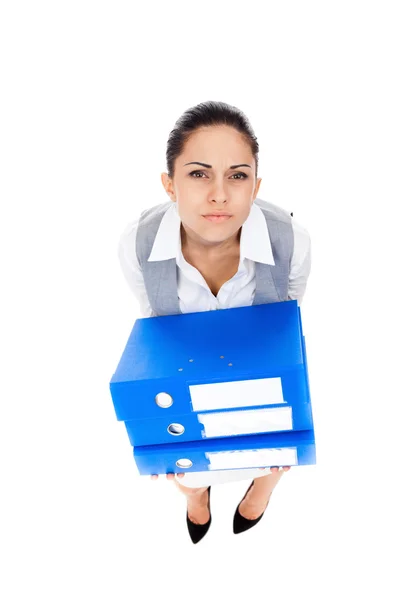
[{"x": 217, "y": 236}]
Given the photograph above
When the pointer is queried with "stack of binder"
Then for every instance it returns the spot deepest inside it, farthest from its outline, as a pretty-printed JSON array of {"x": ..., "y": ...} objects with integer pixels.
[{"x": 225, "y": 389}]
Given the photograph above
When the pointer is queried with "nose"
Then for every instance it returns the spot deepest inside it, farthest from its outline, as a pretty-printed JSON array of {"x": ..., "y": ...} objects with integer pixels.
[{"x": 219, "y": 195}]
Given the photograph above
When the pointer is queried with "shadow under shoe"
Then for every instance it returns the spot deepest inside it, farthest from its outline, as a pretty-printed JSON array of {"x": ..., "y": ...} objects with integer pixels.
[
  {"x": 197, "y": 532},
  {"x": 240, "y": 523}
]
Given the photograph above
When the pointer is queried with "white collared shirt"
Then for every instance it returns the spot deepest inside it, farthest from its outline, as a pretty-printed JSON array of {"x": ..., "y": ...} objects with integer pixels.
[{"x": 193, "y": 292}]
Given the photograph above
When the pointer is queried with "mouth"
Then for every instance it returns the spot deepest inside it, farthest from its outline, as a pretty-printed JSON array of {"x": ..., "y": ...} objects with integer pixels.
[{"x": 217, "y": 218}]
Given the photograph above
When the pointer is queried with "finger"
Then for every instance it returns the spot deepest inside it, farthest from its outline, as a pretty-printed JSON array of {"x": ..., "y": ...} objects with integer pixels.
[
  {"x": 170, "y": 475},
  {"x": 180, "y": 475},
  {"x": 286, "y": 468},
  {"x": 154, "y": 477}
]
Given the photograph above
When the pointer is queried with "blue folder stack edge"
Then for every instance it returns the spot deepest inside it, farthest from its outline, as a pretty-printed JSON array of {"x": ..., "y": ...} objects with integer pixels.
[{"x": 225, "y": 389}]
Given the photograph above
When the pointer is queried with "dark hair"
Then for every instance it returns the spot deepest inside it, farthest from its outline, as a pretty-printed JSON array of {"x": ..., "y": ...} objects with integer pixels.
[{"x": 204, "y": 115}]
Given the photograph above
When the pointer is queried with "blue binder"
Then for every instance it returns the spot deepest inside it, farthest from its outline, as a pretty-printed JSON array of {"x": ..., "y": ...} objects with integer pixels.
[
  {"x": 263, "y": 450},
  {"x": 216, "y": 381}
]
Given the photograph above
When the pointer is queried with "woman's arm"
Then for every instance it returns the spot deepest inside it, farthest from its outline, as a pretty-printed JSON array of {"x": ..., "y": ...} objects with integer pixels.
[
  {"x": 132, "y": 269},
  {"x": 301, "y": 263}
]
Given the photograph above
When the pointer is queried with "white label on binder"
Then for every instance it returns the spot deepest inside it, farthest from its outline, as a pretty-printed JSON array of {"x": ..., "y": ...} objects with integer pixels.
[
  {"x": 243, "y": 459},
  {"x": 235, "y": 394},
  {"x": 243, "y": 422}
]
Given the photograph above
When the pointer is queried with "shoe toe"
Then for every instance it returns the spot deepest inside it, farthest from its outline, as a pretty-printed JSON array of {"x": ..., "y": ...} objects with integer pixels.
[
  {"x": 241, "y": 524},
  {"x": 197, "y": 532}
]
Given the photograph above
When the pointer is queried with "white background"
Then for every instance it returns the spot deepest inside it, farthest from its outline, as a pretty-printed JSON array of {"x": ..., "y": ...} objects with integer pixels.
[{"x": 89, "y": 94}]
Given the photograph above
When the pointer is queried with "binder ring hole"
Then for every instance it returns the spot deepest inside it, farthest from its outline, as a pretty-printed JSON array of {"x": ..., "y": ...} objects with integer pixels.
[
  {"x": 184, "y": 463},
  {"x": 175, "y": 429},
  {"x": 163, "y": 400}
]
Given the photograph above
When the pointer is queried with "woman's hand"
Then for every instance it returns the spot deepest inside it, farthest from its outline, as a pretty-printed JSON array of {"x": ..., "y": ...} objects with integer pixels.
[
  {"x": 275, "y": 469},
  {"x": 181, "y": 475},
  {"x": 170, "y": 475}
]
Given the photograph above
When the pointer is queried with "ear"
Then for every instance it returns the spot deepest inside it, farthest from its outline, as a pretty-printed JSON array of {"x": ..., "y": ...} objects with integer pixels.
[
  {"x": 168, "y": 186},
  {"x": 256, "y": 189}
]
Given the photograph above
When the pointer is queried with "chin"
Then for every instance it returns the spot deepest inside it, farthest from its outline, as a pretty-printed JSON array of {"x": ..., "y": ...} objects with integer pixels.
[
  {"x": 212, "y": 234},
  {"x": 215, "y": 236}
]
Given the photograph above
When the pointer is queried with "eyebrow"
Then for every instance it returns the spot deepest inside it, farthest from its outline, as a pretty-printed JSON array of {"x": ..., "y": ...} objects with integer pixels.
[{"x": 210, "y": 166}]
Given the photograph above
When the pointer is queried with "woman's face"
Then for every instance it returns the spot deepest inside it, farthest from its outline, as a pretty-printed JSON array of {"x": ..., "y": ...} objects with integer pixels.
[{"x": 223, "y": 184}]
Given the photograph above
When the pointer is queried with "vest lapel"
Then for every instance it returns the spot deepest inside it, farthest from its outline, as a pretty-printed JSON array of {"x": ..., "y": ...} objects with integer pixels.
[
  {"x": 266, "y": 290},
  {"x": 165, "y": 297}
]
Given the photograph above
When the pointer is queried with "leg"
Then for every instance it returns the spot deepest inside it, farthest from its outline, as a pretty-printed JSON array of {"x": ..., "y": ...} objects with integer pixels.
[
  {"x": 258, "y": 496},
  {"x": 197, "y": 503}
]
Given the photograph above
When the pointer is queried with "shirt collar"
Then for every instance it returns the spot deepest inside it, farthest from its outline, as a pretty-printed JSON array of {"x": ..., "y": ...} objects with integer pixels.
[{"x": 254, "y": 240}]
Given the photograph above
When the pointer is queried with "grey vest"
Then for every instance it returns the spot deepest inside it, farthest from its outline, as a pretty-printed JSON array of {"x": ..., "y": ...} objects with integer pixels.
[{"x": 160, "y": 277}]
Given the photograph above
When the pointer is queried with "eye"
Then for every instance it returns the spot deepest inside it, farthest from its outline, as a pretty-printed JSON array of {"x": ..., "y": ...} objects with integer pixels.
[
  {"x": 235, "y": 176},
  {"x": 196, "y": 173}
]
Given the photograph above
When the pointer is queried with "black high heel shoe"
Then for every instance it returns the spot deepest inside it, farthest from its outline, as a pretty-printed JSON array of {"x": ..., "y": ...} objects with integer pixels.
[
  {"x": 240, "y": 523},
  {"x": 197, "y": 532}
]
